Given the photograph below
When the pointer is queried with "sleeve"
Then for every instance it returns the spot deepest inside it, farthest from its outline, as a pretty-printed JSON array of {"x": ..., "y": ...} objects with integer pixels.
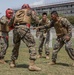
[
  {"x": 49, "y": 25},
  {"x": 39, "y": 24},
  {"x": 3, "y": 20},
  {"x": 68, "y": 25},
  {"x": 35, "y": 17}
]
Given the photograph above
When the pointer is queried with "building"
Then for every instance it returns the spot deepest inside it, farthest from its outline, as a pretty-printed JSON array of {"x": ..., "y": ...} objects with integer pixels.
[{"x": 63, "y": 8}]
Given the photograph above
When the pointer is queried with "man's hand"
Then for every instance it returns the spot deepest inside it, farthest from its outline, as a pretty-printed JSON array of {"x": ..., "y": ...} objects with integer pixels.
[
  {"x": 35, "y": 28},
  {"x": 67, "y": 38}
]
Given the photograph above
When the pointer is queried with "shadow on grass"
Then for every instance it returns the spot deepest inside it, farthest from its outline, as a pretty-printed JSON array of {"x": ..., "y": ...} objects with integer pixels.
[
  {"x": 22, "y": 66},
  {"x": 63, "y": 64},
  {"x": 43, "y": 57},
  {"x": 7, "y": 61},
  {"x": 18, "y": 66}
]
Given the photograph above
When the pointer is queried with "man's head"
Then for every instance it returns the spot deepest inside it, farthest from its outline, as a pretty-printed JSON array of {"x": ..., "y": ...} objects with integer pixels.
[
  {"x": 44, "y": 16},
  {"x": 9, "y": 13},
  {"x": 54, "y": 15},
  {"x": 26, "y": 6}
]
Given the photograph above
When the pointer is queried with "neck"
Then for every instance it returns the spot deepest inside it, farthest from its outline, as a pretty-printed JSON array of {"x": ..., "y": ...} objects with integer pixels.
[
  {"x": 56, "y": 18},
  {"x": 44, "y": 20}
]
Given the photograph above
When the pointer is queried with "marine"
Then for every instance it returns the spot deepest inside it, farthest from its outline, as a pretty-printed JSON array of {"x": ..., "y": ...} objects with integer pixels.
[
  {"x": 22, "y": 21},
  {"x": 44, "y": 36},
  {"x": 4, "y": 30},
  {"x": 63, "y": 29}
]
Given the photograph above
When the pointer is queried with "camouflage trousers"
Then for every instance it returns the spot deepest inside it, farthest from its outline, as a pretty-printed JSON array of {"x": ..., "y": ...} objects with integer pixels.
[
  {"x": 23, "y": 33},
  {"x": 4, "y": 43},
  {"x": 58, "y": 45},
  {"x": 44, "y": 40}
]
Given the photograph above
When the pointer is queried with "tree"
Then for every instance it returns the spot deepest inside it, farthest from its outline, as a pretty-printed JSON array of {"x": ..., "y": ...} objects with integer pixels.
[{"x": 71, "y": 19}]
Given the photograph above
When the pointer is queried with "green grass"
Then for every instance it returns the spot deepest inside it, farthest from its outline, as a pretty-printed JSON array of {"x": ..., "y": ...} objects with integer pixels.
[{"x": 63, "y": 66}]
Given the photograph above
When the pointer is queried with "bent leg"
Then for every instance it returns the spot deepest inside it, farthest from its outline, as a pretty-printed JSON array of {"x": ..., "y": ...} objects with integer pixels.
[
  {"x": 4, "y": 46},
  {"x": 16, "y": 41},
  {"x": 58, "y": 45},
  {"x": 69, "y": 49}
]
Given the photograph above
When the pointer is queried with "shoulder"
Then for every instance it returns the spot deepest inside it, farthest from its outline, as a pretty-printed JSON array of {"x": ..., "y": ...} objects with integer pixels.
[
  {"x": 34, "y": 12},
  {"x": 40, "y": 21},
  {"x": 48, "y": 20},
  {"x": 63, "y": 19},
  {"x": 18, "y": 11},
  {"x": 3, "y": 17}
]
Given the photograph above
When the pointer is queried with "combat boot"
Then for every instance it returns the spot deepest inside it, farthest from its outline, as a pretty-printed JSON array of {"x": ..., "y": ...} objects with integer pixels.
[
  {"x": 12, "y": 64},
  {"x": 52, "y": 63},
  {"x": 2, "y": 61},
  {"x": 33, "y": 67},
  {"x": 39, "y": 56},
  {"x": 47, "y": 56}
]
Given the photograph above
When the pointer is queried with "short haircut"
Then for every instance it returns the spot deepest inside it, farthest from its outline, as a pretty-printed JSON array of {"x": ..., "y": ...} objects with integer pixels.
[
  {"x": 44, "y": 13},
  {"x": 54, "y": 12}
]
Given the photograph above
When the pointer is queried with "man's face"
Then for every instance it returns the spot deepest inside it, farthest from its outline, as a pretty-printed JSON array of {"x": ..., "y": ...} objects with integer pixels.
[
  {"x": 53, "y": 17},
  {"x": 44, "y": 17},
  {"x": 9, "y": 14}
]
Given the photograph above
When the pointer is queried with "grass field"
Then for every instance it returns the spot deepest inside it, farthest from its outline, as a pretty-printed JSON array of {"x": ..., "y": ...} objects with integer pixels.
[{"x": 63, "y": 66}]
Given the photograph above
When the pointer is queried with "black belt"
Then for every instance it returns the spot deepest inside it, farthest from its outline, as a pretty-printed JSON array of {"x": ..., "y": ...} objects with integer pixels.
[
  {"x": 18, "y": 24},
  {"x": 4, "y": 31},
  {"x": 61, "y": 35}
]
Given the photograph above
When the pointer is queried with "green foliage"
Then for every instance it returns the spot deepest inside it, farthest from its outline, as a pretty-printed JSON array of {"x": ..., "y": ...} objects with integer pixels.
[
  {"x": 63, "y": 66},
  {"x": 40, "y": 16},
  {"x": 71, "y": 19},
  {"x": 48, "y": 16}
]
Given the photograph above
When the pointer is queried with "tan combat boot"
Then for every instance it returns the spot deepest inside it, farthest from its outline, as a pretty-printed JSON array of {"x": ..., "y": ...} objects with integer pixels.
[
  {"x": 33, "y": 67},
  {"x": 2, "y": 61},
  {"x": 12, "y": 64},
  {"x": 52, "y": 63},
  {"x": 47, "y": 56},
  {"x": 39, "y": 56}
]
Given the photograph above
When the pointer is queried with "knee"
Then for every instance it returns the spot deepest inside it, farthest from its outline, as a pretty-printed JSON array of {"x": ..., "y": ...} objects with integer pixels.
[
  {"x": 47, "y": 46},
  {"x": 5, "y": 46},
  {"x": 68, "y": 45},
  {"x": 17, "y": 44},
  {"x": 33, "y": 53},
  {"x": 55, "y": 47},
  {"x": 32, "y": 50}
]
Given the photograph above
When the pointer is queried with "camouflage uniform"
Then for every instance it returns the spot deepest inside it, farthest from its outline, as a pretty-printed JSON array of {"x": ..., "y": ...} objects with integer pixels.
[
  {"x": 22, "y": 32},
  {"x": 44, "y": 37},
  {"x": 63, "y": 28},
  {"x": 3, "y": 37}
]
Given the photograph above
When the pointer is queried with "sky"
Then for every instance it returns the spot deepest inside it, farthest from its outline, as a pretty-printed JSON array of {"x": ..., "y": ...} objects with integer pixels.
[{"x": 4, "y": 4}]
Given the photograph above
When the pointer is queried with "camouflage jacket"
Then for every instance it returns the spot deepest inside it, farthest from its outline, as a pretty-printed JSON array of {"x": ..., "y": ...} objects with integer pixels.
[
  {"x": 4, "y": 28},
  {"x": 30, "y": 13},
  {"x": 63, "y": 24},
  {"x": 42, "y": 23}
]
